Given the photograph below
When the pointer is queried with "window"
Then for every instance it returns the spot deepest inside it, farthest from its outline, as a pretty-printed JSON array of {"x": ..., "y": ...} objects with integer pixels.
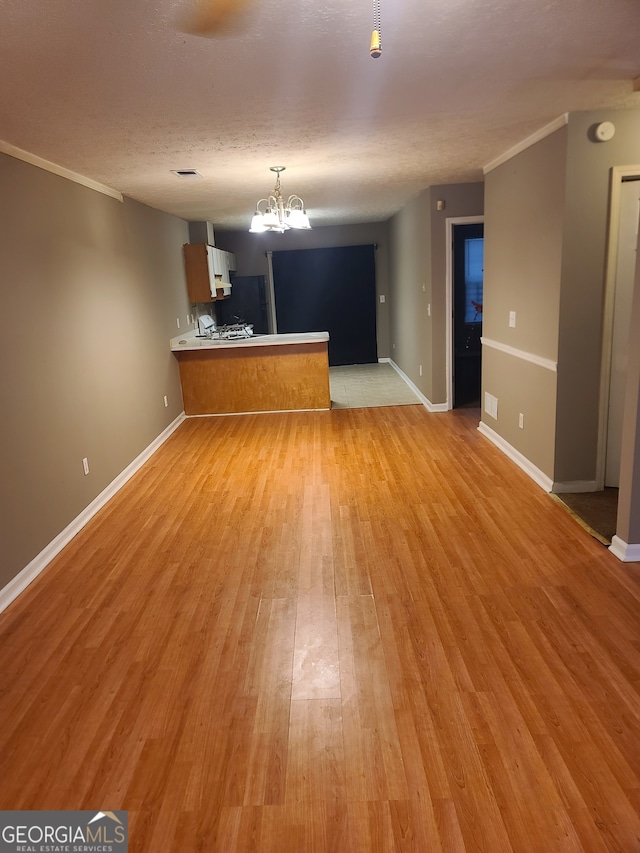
[{"x": 474, "y": 278}]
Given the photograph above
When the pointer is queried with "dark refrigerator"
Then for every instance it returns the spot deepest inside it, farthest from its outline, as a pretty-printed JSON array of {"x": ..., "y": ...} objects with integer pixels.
[{"x": 247, "y": 304}]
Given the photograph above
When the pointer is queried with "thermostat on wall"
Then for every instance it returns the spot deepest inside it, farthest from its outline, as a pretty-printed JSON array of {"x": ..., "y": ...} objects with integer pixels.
[{"x": 605, "y": 131}]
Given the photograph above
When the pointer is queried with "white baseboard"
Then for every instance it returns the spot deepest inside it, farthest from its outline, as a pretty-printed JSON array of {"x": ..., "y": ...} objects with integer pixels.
[
  {"x": 258, "y": 412},
  {"x": 574, "y": 486},
  {"x": 30, "y": 572},
  {"x": 625, "y": 552},
  {"x": 521, "y": 461},
  {"x": 431, "y": 407}
]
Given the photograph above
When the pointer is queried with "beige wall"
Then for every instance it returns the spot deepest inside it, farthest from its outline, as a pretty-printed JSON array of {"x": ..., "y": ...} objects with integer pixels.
[
  {"x": 418, "y": 279},
  {"x": 546, "y": 224},
  {"x": 411, "y": 327},
  {"x": 524, "y": 219},
  {"x": 91, "y": 289},
  {"x": 589, "y": 166},
  {"x": 251, "y": 249}
]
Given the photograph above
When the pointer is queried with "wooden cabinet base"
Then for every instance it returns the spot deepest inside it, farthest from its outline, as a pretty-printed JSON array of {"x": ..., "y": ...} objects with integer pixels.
[{"x": 255, "y": 379}]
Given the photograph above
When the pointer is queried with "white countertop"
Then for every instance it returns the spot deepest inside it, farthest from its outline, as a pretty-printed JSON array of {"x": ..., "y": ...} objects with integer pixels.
[{"x": 191, "y": 341}]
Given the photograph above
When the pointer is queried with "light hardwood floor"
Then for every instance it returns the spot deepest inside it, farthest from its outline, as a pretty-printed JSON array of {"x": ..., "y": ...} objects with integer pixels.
[{"x": 357, "y": 630}]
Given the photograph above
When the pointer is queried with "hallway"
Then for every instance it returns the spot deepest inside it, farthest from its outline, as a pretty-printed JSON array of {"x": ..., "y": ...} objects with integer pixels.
[{"x": 356, "y": 630}]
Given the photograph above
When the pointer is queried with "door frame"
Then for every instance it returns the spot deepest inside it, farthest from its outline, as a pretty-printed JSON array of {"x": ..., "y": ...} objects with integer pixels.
[
  {"x": 450, "y": 223},
  {"x": 271, "y": 297},
  {"x": 618, "y": 173}
]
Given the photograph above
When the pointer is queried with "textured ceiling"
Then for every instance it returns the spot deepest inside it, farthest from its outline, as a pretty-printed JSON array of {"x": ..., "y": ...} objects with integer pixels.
[{"x": 120, "y": 92}]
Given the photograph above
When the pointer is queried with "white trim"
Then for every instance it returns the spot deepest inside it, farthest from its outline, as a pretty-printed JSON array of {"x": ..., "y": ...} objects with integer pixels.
[
  {"x": 623, "y": 551},
  {"x": 611, "y": 264},
  {"x": 431, "y": 407},
  {"x": 519, "y": 147},
  {"x": 575, "y": 486},
  {"x": 449, "y": 223},
  {"x": 273, "y": 320},
  {"x": 41, "y": 163},
  {"x": 521, "y": 461},
  {"x": 384, "y": 360},
  {"x": 547, "y": 363},
  {"x": 30, "y": 572},
  {"x": 258, "y": 412}
]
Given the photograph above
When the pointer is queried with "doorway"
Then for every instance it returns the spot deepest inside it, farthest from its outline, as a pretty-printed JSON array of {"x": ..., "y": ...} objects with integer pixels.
[
  {"x": 623, "y": 294},
  {"x": 467, "y": 277},
  {"x": 623, "y": 217}
]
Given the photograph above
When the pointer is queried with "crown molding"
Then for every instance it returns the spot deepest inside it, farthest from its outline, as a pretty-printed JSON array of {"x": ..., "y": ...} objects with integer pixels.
[
  {"x": 545, "y": 131},
  {"x": 41, "y": 163}
]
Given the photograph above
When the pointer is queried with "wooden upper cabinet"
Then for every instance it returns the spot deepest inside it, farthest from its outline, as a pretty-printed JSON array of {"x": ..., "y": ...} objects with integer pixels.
[
  {"x": 207, "y": 269},
  {"x": 199, "y": 270}
]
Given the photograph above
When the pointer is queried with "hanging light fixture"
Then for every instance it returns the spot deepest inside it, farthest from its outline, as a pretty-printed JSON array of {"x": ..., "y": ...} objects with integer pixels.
[
  {"x": 279, "y": 215},
  {"x": 375, "y": 48}
]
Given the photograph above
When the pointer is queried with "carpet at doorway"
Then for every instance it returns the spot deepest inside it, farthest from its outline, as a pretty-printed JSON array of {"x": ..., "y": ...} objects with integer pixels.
[
  {"x": 595, "y": 511},
  {"x": 358, "y": 386}
]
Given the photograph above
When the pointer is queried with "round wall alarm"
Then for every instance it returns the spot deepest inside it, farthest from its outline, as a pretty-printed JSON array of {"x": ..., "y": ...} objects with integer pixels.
[{"x": 605, "y": 131}]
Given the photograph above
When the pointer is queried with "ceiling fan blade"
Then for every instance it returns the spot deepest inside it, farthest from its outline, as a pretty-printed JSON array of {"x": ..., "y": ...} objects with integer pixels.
[{"x": 212, "y": 16}]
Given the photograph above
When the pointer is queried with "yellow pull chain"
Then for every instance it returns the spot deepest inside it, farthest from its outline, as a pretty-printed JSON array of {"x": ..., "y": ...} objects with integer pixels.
[{"x": 375, "y": 48}]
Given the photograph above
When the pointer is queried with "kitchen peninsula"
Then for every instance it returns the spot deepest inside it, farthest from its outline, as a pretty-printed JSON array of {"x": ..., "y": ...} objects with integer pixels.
[{"x": 261, "y": 373}]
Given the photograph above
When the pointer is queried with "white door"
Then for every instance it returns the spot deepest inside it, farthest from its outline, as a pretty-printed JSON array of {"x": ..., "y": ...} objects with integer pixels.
[{"x": 625, "y": 275}]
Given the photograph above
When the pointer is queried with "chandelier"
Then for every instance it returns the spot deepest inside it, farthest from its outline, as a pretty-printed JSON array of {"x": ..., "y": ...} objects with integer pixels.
[{"x": 279, "y": 215}]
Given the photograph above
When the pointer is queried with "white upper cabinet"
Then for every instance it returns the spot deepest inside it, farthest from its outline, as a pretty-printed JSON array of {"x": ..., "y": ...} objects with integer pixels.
[
  {"x": 218, "y": 260},
  {"x": 223, "y": 263},
  {"x": 212, "y": 269}
]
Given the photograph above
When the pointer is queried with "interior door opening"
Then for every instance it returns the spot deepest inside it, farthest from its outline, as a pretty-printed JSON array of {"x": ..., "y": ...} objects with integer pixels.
[
  {"x": 467, "y": 307},
  {"x": 621, "y": 331}
]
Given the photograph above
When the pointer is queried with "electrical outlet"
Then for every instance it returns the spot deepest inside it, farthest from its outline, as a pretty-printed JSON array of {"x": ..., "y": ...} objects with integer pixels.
[
  {"x": 383, "y": 298},
  {"x": 85, "y": 466},
  {"x": 420, "y": 370},
  {"x": 166, "y": 402},
  {"x": 429, "y": 310},
  {"x": 512, "y": 319},
  {"x": 521, "y": 420},
  {"x": 178, "y": 322},
  {"x": 424, "y": 287}
]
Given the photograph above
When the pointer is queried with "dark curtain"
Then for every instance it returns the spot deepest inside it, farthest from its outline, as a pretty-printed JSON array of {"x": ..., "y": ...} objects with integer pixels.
[{"x": 332, "y": 290}]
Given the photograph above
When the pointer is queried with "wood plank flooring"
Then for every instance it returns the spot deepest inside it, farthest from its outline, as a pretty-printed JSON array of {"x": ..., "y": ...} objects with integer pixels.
[{"x": 357, "y": 630}]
